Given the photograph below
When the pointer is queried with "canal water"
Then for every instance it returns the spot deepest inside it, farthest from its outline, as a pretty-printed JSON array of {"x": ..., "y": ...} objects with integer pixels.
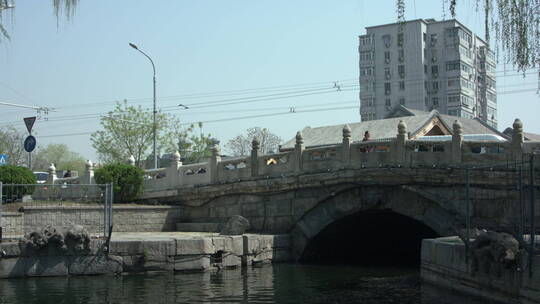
[{"x": 278, "y": 283}]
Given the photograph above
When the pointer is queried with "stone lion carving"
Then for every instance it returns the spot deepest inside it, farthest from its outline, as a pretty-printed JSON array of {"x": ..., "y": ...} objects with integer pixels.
[
  {"x": 493, "y": 251},
  {"x": 75, "y": 239},
  {"x": 236, "y": 225}
]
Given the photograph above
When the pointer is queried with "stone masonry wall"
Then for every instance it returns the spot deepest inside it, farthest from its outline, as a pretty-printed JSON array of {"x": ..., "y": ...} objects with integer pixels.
[
  {"x": 12, "y": 224},
  {"x": 125, "y": 219}
]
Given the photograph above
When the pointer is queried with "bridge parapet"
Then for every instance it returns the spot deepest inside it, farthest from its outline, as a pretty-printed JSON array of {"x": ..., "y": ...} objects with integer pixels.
[{"x": 392, "y": 152}]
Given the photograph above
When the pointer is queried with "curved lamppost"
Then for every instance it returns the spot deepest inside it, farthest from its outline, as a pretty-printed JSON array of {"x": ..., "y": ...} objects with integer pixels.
[{"x": 154, "y": 124}]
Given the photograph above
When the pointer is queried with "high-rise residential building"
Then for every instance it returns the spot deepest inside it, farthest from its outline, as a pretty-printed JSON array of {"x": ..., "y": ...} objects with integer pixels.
[{"x": 425, "y": 65}]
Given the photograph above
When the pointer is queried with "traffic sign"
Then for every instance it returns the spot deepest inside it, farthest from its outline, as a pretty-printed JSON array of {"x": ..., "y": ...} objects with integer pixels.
[
  {"x": 29, "y": 143},
  {"x": 3, "y": 159},
  {"x": 29, "y": 122}
]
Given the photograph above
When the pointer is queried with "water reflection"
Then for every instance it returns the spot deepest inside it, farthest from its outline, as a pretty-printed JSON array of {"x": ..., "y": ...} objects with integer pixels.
[{"x": 282, "y": 283}]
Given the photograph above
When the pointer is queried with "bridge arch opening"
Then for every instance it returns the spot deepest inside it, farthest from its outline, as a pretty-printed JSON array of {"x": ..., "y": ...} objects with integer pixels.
[{"x": 369, "y": 238}]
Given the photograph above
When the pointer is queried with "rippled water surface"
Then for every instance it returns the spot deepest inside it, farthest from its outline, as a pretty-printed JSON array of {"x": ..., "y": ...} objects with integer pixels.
[{"x": 280, "y": 283}]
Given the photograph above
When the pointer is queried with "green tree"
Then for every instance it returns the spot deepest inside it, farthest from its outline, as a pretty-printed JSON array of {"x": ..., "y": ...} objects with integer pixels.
[
  {"x": 11, "y": 143},
  {"x": 128, "y": 130},
  {"x": 515, "y": 23},
  {"x": 60, "y": 156},
  {"x": 127, "y": 180},
  {"x": 241, "y": 144},
  {"x": 193, "y": 147}
]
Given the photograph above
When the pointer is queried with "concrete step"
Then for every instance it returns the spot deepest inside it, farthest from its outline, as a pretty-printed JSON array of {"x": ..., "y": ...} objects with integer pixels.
[{"x": 198, "y": 227}]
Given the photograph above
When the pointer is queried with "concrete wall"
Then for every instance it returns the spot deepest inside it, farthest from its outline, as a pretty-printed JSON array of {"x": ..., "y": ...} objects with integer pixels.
[{"x": 444, "y": 264}]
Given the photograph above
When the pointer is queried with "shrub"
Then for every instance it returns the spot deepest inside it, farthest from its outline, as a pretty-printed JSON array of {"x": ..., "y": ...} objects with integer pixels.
[
  {"x": 10, "y": 174},
  {"x": 127, "y": 180}
]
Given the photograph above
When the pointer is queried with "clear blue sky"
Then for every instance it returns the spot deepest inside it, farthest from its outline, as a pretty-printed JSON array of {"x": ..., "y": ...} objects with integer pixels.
[{"x": 83, "y": 66}]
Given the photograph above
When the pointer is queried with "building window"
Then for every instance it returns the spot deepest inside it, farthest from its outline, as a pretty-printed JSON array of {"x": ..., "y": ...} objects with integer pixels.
[
  {"x": 451, "y": 33},
  {"x": 433, "y": 39},
  {"x": 366, "y": 71},
  {"x": 491, "y": 97},
  {"x": 453, "y": 112},
  {"x": 424, "y": 37},
  {"x": 452, "y": 65},
  {"x": 366, "y": 56},
  {"x": 401, "y": 71},
  {"x": 433, "y": 55},
  {"x": 402, "y": 101},
  {"x": 387, "y": 102},
  {"x": 387, "y": 56},
  {"x": 453, "y": 98},
  {"x": 365, "y": 40},
  {"x": 400, "y": 39},
  {"x": 466, "y": 101},
  {"x": 453, "y": 82},
  {"x": 435, "y": 101},
  {"x": 435, "y": 86},
  {"x": 402, "y": 85},
  {"x": 426, "y": 101},
  {"x": 387, "y": 74},
  {"x": 466, "y": 68},
  {"x": 435, "y": 70},
  {"x": 387, "y": 88},
  {"x": 368, "y": 101},
  {"x": 401, "y": 55},
  {"x": 425, "y": 68}
]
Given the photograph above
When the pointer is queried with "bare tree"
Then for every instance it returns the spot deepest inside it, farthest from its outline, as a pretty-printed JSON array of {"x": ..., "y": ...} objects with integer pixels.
[{"x": 241, "y": 144}]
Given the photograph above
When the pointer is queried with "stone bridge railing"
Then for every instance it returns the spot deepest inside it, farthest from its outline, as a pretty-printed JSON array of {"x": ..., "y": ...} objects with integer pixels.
[{"x": 395, "y": 152}]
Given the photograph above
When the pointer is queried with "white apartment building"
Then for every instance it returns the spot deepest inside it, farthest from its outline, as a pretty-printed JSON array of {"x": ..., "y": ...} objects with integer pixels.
[{"x": 425, "y": 65}]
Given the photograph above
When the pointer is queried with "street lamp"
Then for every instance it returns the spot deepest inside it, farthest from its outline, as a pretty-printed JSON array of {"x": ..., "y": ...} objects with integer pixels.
[{"x": 154, "y": 124}]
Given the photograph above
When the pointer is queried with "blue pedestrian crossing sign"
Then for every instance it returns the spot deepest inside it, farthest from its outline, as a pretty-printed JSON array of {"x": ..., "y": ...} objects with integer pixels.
[{"x": 3, "y": 159}]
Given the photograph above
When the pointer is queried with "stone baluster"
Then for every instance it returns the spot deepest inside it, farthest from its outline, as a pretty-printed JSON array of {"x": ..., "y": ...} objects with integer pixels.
[
  {"x": 131, "y": 160},
  {"x": 346, "y": 146},
  {"x": 457, "y": 140},
  {"x": 255, "y": 145},
  {"x": 517, "y": 139},
  {"x": 89, "y": 173},
  {"x": 299, "y": 151},
  {"x": 173, "y": 176},
  {"x": 214, "y": 163},
  {"x": 52, "y": 174},
  {"x": 400, "y": 151},
  {"x": 176, "y": 160}
]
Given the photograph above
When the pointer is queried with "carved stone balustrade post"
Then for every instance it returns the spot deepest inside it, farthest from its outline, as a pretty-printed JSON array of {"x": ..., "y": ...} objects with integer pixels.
[
  {"x": 457, "y": 140},
  {"x": 255, "y": 145},
  {"x": 89, "y": 173},
  {"x": 517, "y": 140},
  {"x": 52, "y": 174},
  {"x": 346, "y": 146},
  {"x": 401, "y": 139},
  {"x": 214, "y": 163},
  {"x": 299, "y": 151}
]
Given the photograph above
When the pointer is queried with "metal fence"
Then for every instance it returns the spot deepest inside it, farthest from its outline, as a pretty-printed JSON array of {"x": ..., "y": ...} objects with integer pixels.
[
  {"x": 31, "y": 207},
  {"x": 513, "y": 186}
]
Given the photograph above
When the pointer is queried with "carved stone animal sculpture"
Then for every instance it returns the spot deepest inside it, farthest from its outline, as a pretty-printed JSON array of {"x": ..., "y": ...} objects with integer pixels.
[{"x": 493, "y": 251}]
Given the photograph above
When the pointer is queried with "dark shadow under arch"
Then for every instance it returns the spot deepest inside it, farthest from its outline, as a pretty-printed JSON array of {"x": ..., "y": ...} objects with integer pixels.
[{"x": 370, "y": 237}]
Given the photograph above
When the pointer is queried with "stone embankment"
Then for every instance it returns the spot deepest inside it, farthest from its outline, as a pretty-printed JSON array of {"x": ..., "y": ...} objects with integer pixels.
[
  {"x": 141, "y": 252},
  {"x": 445, "y": 264}
]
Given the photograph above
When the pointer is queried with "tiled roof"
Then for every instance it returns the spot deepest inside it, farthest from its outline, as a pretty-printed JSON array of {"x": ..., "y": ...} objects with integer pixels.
[{"x": 386, "y": 128}]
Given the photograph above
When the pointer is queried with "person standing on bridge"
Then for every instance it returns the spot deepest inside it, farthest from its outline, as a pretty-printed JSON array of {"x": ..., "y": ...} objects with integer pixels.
[{"x": 367, "y": 137}]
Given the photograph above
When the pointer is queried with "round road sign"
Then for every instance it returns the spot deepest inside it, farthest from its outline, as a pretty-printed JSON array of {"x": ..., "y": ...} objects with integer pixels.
[{"x": 29, "y": 143}]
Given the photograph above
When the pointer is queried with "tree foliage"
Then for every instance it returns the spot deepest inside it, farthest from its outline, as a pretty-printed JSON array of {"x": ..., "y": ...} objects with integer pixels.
[
  {"x": 128, "y": 130},
  {"x": 10, "y": 174},
  {"x": 11, "y": 143},
  {"x": 127, "y": 180},
  {"x": 241, "y": 144},
  {"x": 60, "y": 156},
  {"x": 516, "y": 25},
  {"x": 60, "y": 7},
  {"x": 192, "y": 144}
]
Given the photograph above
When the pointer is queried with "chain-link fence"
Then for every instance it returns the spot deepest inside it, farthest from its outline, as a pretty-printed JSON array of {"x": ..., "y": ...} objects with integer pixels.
[{"x": 25, "y": 208}]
